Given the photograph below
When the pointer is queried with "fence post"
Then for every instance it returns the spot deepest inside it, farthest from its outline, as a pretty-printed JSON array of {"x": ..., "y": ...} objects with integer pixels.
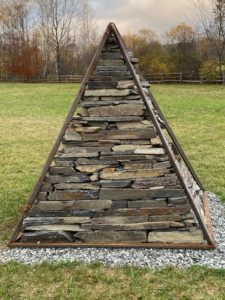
[
  {"x": 201, "y": 77},
  {"x": 162, "y": 78},
  {"x": 223, "y": 78},
  {"x": 181, "y": 77}
]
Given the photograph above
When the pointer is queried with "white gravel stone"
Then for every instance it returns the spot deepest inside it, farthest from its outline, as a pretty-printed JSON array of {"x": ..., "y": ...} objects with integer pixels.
[{"x": 154, "y": 258}]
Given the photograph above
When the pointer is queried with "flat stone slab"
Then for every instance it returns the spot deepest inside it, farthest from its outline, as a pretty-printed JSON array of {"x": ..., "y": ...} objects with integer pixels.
[
  {"x": 115, "y": 183},
  {"x": 158, "y": 218},
  {"x": 46, "y": 206},
  {"x": 90, "y": 168},
  {"x": 165, "y": 164},
  {"x": 153, "y": 182},
  {"x": 72, "y": 155},
  {"x": 61, "y": 170},
  {"x": 85, "y": 149},
  {"x": 64, "y": 163},
  {"x": 78, "y": 177},
  {"x": 72, "y": 136},
  {"x": 125, "y": 84},
  {"x": 134, "y": 60},
  {"x": 133, "y": 125},
  {"x": 156, "y": 141},
  {"x": 112, "y": 236},
  {"x": 127, "y": 174},
  {"x": 138, "y": 166},
  {"x": 35, "y": 236},
  {"x": 124, "y": 158},
  {"x": 120, "y": 148},
  {"x": 151, "y": 151},
  {"x": 92, "y": 204},
  {"x": 112, "y": 102},
  {"x": 138, "y": 226},
  {"x": 123, "y": 134},
  {"x": 119, "y": 220},
  {"x": 176, "y": 237},
  {"x": 112, "y": 119},
  {"x": 108, "y": 92},
  {"x": 73, "y": 195},
  {"x": 132, "y": 194},
  {"x": 46, "y": 187},
  {"x": 72, "y": 205},
  {"x": 76, "y": 186},
  {"x": 147, "y": 203},
  {"x": 118, "y": 110},
  {"x": 57, "y": 228},
  {"x": 55, "y": 220},
  {"x": 92, "y": 129},
  {"x": 42, "y": 196},
  {"x": 86, "y": 161}
]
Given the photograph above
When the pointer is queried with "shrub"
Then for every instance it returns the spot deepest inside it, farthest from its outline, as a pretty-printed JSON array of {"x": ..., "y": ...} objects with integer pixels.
[{"x": 209, "y": 69}]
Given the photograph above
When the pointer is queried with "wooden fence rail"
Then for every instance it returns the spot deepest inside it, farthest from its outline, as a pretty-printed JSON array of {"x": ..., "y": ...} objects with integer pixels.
[
  {"x": 153, "y": 78},
  {"x": 48, "y": 79},
  {"x": 183, "y": 78}
]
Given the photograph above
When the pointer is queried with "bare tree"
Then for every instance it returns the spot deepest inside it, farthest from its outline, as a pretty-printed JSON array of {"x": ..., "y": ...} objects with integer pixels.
[
  {"x": 87, "y": 30},
  {"x": 213, "y": 22},
  {"x": 58, "y": 23},
  {"x": 86, "y": 39},
  {"x": 15, "y": 33}
]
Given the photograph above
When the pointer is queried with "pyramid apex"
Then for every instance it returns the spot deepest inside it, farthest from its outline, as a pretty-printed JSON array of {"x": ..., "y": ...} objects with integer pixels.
[{"x": 111, "y": 24}]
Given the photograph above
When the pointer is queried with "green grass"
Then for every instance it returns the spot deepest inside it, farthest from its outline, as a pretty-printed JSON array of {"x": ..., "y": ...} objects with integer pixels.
[
  {"x": 196, "y": 115},
  {"x": 78, "y": 281},
  {"x": 31, "y": 115}
]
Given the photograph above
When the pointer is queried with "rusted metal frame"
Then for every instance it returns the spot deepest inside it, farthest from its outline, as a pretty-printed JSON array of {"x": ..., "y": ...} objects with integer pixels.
[
  {"x": 150, "y": 107},
  {"x": 208, "y": 216},
  {"x": 114, "y": 245},
  {"x": 176, "y": 143},
  {"x": 62, "y": 132}
]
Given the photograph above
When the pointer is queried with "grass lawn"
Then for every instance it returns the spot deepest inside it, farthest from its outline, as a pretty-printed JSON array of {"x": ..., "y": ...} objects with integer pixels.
[
  {"x": 76, "y": 281},
  {"x": 30, "y": 118}
]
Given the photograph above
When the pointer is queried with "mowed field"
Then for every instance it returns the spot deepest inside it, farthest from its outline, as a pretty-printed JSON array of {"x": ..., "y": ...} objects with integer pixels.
[{"x": 31, "y": 116}]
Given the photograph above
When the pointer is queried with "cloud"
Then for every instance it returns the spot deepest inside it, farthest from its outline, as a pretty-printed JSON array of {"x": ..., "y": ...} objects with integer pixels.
[{"x": 131, "y": 15}]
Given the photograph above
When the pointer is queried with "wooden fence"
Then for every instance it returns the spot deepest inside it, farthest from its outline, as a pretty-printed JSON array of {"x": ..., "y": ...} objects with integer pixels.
[
  {"x": 48, "y": 79},
  {"x": 153, "y": 78},
  {"x": 183, "y": 78}
]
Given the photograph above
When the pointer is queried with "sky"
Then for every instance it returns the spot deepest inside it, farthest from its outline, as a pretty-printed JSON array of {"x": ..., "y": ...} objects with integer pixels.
[{"x": 131, "y": 15}]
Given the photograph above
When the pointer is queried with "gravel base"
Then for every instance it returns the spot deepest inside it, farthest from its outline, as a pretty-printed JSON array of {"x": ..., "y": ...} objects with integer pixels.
[{"x": 155, "y": 258}]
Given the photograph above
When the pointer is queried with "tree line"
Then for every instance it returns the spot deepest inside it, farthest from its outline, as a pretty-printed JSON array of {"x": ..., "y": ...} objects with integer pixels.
[
  {"x": 45, "y": 37},
  {"x": 39, "y": 38},
  {"x": 192, "y": 49}
]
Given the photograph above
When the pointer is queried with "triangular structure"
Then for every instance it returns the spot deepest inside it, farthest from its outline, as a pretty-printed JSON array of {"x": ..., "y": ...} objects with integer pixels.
[{"x": 116, "y": 176}]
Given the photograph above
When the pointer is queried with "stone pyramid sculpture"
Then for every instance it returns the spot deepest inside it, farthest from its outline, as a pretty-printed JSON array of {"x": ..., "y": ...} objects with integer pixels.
[{"x": 116, "y": 176}]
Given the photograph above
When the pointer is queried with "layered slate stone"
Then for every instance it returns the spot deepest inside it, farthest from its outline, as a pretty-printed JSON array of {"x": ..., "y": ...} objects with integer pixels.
[{"x": 111, "y": 180}]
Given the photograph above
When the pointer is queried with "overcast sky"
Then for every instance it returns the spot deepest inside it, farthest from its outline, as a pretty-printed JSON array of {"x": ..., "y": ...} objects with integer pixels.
[{"x": 131, "y": 15}]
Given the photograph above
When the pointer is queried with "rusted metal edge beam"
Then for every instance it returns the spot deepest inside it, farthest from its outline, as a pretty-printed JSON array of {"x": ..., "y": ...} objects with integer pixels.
[
  {"x": 208, "y": 218},
  {"x": 113, "y": 245},
  {"x": 62, "y": 131},
  {"x": 176, "y": 143},
  {"x": 170, "y": 153}
]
